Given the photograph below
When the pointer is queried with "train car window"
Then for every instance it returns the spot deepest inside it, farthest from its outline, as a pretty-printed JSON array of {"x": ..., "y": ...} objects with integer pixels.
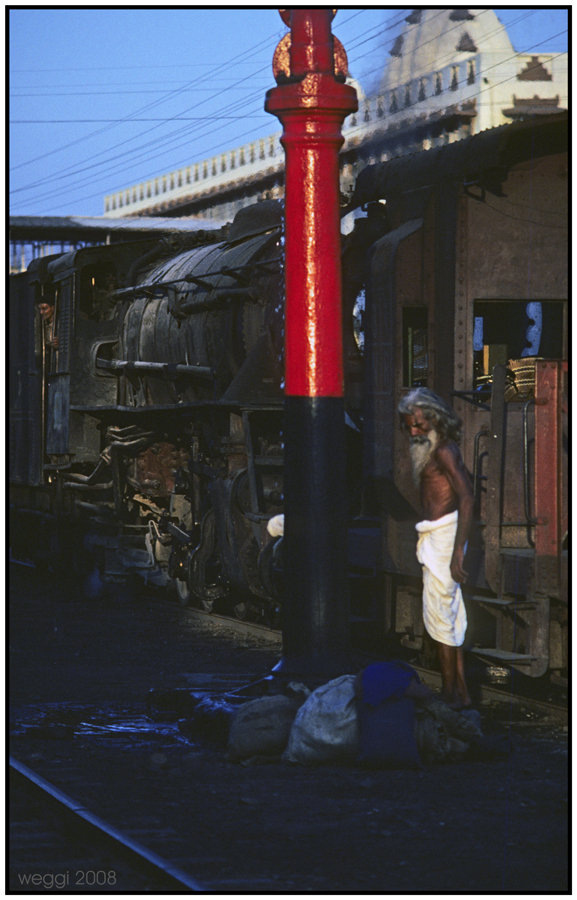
[
  {"x": 514, "y": 329},
  {"x": 415, "y": 346}
]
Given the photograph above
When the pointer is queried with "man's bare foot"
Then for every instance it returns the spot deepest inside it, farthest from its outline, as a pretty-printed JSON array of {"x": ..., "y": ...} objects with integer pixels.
[{"x": 456, "y": 702}]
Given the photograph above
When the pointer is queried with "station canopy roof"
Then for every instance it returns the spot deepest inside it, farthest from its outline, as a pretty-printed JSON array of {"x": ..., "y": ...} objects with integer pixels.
[{"x": 78, "y": 228}]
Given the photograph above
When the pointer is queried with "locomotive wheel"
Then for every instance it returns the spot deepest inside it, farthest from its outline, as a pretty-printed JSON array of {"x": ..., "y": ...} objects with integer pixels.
[
  {"x": 204, "y": 567},
  {"x": 178, "y": 570},
  {"x": 240, "y": 610},
  {"x": 182, "y": 591},
  {"x": 268, "y": 568},
  {"x": 273, "y": 615},
  {"x": 207, "y": 605}
]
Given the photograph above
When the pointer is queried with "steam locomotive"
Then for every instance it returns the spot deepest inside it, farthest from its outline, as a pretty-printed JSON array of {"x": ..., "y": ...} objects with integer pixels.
[{"x": 151, "y": 437}]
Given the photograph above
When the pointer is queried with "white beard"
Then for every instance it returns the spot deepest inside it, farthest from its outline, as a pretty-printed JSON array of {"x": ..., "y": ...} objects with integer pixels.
[{"x": 421, "y": 450}]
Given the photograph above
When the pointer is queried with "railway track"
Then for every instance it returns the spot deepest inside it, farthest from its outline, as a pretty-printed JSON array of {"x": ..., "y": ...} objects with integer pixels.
[
  {"x": 261, "y": 829},
  {"x": 544, "y": 710},
  {"x": 92, "y": 854}
]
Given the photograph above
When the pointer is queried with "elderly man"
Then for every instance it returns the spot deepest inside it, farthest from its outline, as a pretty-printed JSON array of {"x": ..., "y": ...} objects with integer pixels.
[{"x": 447, "y": 501}]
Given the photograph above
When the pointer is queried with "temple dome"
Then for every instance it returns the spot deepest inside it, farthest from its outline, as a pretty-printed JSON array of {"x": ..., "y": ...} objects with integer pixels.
[
  {"x": 434, "y": 38},
  {"x": 357, "y": 86}
]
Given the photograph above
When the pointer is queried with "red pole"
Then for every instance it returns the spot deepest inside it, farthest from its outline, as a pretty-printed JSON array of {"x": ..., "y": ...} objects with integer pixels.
[
  {"x": 548, "y": 475},
  {"x": 312, "y": 101}
]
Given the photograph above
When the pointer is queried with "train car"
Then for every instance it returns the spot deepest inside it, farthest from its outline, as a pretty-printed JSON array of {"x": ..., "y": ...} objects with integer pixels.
[
  {"x": 467, "y": 294},
  {"x": 150, "y": 438}
]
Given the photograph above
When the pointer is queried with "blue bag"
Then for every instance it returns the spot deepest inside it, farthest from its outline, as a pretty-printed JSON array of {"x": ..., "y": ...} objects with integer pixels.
[{"x": 386, "y": 717}]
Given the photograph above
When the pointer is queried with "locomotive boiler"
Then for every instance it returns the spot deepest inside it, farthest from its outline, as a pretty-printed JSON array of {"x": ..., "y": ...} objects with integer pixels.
[
  {"x": 161, "y": 408},
  {"x": 151, "y": 438}
]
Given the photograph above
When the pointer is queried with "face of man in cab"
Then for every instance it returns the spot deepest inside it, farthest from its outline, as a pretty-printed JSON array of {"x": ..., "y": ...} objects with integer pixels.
[{"x": 46, "y": 311}]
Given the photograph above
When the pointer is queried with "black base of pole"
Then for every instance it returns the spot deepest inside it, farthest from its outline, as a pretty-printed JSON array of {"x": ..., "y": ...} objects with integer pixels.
[{"x": 315, "y": 618}]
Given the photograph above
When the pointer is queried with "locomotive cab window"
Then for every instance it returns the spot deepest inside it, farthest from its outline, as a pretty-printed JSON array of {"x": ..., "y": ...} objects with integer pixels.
[
  {"x": 415, "y": 346},
  {"x": 514, "y": 329},
  {"x": 97, "y": 286}
]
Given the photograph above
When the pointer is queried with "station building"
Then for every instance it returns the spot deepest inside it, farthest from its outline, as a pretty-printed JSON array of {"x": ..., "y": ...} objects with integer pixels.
[{"x": 451, "y": 73}]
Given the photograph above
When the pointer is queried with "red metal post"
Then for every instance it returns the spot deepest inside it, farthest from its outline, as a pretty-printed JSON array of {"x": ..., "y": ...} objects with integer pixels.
[
  {"x": 312, "y": 104},
  {"x": 312, "y": 101}
]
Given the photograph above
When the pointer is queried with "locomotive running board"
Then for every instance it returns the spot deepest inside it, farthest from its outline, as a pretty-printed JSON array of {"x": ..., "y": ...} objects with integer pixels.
[{"x": 518, "y": 659}]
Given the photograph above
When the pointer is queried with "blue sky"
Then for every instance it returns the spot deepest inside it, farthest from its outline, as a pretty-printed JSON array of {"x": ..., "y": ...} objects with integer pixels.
[{"x": 102, "y": 98}]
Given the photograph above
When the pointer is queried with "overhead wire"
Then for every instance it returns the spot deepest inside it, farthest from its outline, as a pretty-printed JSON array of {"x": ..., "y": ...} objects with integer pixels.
[
  {"x": 180, "y": 134},
  {"x": 520, "y": 218},
  {"x": 206, "y": 76},
  {"x": 482, "y": 73},
  {"x": 209, "y": 74},
  {"x": 441, "y": 62},
  {"x": 211, "y": 118},
  {"x": 50, "y": 92},
  {"x": 495, "y": 84},
  {"x": 375, "y": 30},
  {"x": 164, "y": 140}
]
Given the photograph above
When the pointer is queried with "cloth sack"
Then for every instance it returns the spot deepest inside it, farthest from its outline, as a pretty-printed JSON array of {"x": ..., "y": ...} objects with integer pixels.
[
  {"x": 447, "y": 735},
  {"x": 325, "y": 728},
  {"x": 443, "y": 734},
  {"x": 262, "y": 727}
]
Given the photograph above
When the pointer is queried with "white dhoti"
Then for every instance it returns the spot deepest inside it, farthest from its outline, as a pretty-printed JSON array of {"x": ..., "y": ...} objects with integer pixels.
[{"x": 444, "y": 612}]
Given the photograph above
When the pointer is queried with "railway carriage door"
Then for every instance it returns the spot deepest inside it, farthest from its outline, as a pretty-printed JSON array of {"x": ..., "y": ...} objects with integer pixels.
[
  {"x": 382, "y": 373},
  {"x": 381, "y": 352},
  {"x": 57, "y": 373}
]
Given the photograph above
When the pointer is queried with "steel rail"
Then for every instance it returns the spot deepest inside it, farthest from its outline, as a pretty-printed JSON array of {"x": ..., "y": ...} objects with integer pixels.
[
  {"x": 174, "y": 876},
  {"x": 499, "y": 695},
  {"x": 487, "y": 693},
  {"x": 245, "y": 626}
]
